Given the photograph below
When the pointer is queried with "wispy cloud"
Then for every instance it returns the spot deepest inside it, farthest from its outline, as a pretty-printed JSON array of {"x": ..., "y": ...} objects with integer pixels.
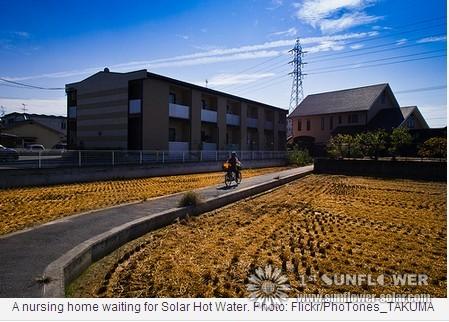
[
  {"x": 185, "y": 37},
  {"x": 401, "y": 41},
  {"x": 356, "y": 46},
  {"x": 275, "y": 4},
  {"x": 232, "y": 79},
  {"x": 381, "y": 28},
  {"x": 267, "y": 49},
  {"x": 332, "y": 16},
  {"x": 431, "y": 39},
  {"x": 289, "y": 32}
]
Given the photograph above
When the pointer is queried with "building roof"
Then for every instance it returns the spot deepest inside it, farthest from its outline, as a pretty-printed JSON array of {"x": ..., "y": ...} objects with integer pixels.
[
  {"x": 407, "y": 110},
  {"x": 31, "y": 122},
  {"x": 347, "y": 100},
  {"x": 181, "y": 83},
  {"x": 32, "y": 115}
]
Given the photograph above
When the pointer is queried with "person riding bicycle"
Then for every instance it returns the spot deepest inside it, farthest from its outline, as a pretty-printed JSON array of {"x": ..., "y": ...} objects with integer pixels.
[{"x": 235, "y": 164}]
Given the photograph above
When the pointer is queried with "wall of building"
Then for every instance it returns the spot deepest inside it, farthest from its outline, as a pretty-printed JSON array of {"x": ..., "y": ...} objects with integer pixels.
[
  {"x": 48, "y": 138},
  {"x": 316, "y": 131},
  {"x": 383, "y": 101}
]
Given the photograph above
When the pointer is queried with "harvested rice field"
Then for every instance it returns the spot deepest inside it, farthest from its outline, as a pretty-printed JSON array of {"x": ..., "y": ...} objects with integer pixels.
[
  {"x": 25, "y": 207},
  {"x": 317, "y": 225}
]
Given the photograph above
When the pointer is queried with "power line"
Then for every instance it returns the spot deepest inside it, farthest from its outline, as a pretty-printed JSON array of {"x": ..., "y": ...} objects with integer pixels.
[
  {"x": 32, "y": 86},
  {"x": 422, "y": 89}
]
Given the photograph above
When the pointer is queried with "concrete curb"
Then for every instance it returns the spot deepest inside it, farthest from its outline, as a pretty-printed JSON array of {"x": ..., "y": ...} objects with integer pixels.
[{"x": 69, "y": 266}]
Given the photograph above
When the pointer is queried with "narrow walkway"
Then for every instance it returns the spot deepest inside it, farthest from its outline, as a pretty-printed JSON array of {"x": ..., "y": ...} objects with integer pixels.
[{"x": 24, "y": 256}]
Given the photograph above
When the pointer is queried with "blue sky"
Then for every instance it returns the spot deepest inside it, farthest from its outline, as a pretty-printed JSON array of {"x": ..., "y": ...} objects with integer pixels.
[{"x": 239, "y": 46}]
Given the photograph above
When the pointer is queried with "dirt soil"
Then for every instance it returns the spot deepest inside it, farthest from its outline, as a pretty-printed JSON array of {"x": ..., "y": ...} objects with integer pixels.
[
  {"x": 25, "y": 207},
  {"x": 317, "y": 225}
]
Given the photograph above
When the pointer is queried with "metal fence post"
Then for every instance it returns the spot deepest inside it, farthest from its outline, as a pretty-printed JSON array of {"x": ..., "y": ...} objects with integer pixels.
[
  {"x": 216, "y": 155},
  {"x": 113, "y": 161},
  {"x": 183, "y": 157},
  {"x": 79, "y": 159},
  {"x": 140, "y": 157},
  {"x": 40, "y": 161},
  {"x": 163, "y": 156},
  {"x": 201, "y": 155},
  {"x": 252, "y": 155}
]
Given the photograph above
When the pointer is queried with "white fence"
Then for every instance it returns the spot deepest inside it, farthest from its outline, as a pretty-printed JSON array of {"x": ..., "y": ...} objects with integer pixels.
[{"x": 85, "y": 158}]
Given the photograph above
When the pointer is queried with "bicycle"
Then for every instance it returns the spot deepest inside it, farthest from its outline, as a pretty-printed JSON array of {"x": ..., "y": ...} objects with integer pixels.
[{"x": 230, "y": 175}]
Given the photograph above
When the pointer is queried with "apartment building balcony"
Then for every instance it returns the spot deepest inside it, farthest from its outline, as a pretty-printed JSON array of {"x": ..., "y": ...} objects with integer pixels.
[
  {"x": 268, "y": 125},
  {"x": 209, "y": 146},
  {"x": 209, "y": 116},
  {"x": 251, "y": 122},
  {"x": 179, "y": 111},
  {"x": 178, "y": 146},
  {"x": 232, "y": 119}
]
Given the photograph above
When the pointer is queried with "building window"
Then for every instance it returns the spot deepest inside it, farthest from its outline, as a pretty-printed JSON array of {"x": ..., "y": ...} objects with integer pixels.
[
  {"x": 331, "y": 122},
  {"x": 322, "y": 124},
  {"x": 172, "y": 134},
  {"x": 339, "y": 119},
  {"x": 308, "y": 125},
  {"x": 172, "y": 98},
  {"x": 72, "y": 112},
  {"x": 299, "y": 125},
  {"x": 411, "y": 122}
]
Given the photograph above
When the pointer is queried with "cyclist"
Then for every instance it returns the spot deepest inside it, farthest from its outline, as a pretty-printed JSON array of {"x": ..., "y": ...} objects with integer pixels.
[{"x": 235, "y": 163}]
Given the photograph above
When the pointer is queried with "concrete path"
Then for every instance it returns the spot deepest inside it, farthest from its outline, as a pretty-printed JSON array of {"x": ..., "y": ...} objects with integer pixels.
[{"x": 25, "y": 255}]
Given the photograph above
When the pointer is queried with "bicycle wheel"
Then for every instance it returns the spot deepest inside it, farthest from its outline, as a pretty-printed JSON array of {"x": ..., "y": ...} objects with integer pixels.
[
  {"x": 227, "y": 179},
  {"x": 239, "y": 178}
]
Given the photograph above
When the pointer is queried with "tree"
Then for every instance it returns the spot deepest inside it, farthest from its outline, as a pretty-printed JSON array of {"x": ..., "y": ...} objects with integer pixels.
[
  {"x": 372, "y": 144},
  {"x": 400, "y": 138},
  {"x": 343, "y": 146},
  {"x": 299, "y": 157},
  {"x": 433, "y": 148}
]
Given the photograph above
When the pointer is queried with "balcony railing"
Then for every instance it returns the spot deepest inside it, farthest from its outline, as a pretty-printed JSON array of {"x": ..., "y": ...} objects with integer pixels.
[
  {"x": 251, "y": 122},
  {"x": 178, "y": 111},
  {"x": 178, "y": 146},
  {"x": 232, "y": 119},
  {"x": 207, "y": 146},
  {"x": 208, "y": 116}
]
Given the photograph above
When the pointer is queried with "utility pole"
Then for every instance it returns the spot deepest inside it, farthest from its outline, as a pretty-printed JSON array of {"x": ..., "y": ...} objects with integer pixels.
[
  {"x": 207, "y": 82},
  {"x": 297, "y": 93},
  {"x": 24, "y": 108}
]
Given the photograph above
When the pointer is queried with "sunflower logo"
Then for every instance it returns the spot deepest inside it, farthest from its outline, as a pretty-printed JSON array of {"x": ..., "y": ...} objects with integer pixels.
[{"x": 268, "y": 284}]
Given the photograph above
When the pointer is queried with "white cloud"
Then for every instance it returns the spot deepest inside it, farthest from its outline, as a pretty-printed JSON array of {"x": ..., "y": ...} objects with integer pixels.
[
  {"x": 275, "y": 4},
  {"x": 401, "y": 41},
  {"x": 39, "y": 106},
  {"x": 431, "y": 39},
  {"x": 381, "y": 28},
  {"x": 231, "y": 79},
  {"x": 289, "y": 32},
  {"x": 357, "y": 46},
  {"x": 333, "y": 16},
  {"x": 267, "y": 49},
  {"x": 185, "y": 37}
]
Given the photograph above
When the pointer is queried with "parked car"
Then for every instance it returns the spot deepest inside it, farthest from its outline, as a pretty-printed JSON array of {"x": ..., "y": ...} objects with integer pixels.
[
  {"x": 60, "y": 146},
  {"x": 8, "y": 154},
  {"x": 35, "y": 147}
]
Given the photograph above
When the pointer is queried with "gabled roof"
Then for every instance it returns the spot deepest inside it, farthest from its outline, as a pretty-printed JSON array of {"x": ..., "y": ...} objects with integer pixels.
[
  {"x": 387, "y": 119},
  {"x": 409, "y": 110},
  {"x": 347, "y": 100}
]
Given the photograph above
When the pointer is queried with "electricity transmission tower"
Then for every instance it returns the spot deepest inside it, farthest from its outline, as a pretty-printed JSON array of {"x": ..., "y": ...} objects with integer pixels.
[{"x": 297, "y": 75}]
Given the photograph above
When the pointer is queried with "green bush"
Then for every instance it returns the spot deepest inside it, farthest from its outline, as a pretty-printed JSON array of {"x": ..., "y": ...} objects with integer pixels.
[
  {"x": 343, "y": 146},
  {"x": 190, "y": 198},
  {"x": 299, "y": 157},
  {"x": 433, "y": 148},
  {"x": 372, "y": 144},
  {"x": 400, "y": 138}
]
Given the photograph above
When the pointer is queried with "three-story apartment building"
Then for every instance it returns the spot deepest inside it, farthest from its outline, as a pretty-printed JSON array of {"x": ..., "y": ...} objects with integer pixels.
[{"x": 145, "y": 111}]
